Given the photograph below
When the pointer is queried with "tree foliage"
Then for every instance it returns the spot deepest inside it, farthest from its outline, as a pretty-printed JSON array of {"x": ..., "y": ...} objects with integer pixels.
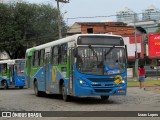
[{"x": 23, "y": 25}]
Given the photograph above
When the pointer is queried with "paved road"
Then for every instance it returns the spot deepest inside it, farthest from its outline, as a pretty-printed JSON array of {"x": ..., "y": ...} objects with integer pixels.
[{"x": 136, "y": 100}]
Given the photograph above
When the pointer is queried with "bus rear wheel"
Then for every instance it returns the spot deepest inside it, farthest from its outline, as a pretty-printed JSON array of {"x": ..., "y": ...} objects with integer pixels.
[
  {"x": 64, "y": 94},
  {"x": 104, "y": 97},
  {"x": 5, "y": 85},
  {"x": 20, "y": 87},
  {"x": 36, "y": 91}
]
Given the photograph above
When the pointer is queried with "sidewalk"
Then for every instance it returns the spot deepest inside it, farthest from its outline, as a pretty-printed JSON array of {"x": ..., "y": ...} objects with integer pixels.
[{"x": 148, "y": 78}]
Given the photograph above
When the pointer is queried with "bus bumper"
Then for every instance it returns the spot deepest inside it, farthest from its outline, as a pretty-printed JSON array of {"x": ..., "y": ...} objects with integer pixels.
[{"x": 93, "y": 91}]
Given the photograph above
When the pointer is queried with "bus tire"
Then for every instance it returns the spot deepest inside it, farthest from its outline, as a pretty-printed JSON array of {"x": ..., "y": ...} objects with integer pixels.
[
  {"x": 20, "y": 87},
  {"x": 5, "y": 84},
  {"x": 104, "y": 97},
  {"x": 64, "y": 94},
  {"x": 36, "y": 91}
]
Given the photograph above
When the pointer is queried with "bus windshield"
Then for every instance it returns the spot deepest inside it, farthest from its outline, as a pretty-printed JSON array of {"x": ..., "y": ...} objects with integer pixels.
[
  {"x": 19, "y": 69},
  {"x": 101, "y": 61}
]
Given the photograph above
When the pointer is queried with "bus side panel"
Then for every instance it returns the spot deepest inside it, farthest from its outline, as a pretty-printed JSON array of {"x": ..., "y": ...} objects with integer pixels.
[
  {"x": 39, "y": 76},
  {"x": 49, "y": 84},
  {"x": 0, "y": 81},
  {"x": 54, "y": 79},
  {"x": 54, "y": 75},
  {"x": 1, "y": 78},
  {"x": 27, "y": 82}
]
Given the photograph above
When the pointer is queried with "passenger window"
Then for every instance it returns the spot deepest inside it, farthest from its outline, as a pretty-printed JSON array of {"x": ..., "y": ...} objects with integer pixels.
[
  {"x": 54, "y": 58},
  {"x": 42, "y": 57},
  {"x": 63, "y": 54}
]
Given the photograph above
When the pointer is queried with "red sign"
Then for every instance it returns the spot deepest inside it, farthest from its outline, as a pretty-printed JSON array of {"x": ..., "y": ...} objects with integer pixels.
[{"x": 154, "y": 45}]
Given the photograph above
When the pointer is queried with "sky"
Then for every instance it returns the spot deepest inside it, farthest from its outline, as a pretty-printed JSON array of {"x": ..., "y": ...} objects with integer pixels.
[{"x": 95, "y": 8}]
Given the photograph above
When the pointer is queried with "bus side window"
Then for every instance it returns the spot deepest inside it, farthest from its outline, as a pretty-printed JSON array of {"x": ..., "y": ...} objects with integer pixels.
[
  {"x": 35, "y": 58},
  {"x": 63, "y": 54},
  {"x": 54, "y": 56},
  {"x": 4, "y": 69},
  {"x": 41, "y": 57},
  {"x": 0, "y": 69}
]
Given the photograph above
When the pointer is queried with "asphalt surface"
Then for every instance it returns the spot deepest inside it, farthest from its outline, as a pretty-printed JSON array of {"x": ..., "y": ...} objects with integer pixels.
[{"x": 136, "y": 100}]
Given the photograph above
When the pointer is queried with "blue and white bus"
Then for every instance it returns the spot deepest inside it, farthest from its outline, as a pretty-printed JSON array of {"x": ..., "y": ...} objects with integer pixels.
[
  {"x": 12, "y": 73},
  {"x": 79, "y": 65}
]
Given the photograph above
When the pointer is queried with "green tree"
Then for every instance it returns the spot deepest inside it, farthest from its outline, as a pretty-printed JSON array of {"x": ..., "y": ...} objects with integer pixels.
[{"x": 24, "y": 25}]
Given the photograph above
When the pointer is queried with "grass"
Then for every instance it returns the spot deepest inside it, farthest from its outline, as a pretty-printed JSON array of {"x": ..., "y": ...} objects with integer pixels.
[{"x": 146, "y": 83}]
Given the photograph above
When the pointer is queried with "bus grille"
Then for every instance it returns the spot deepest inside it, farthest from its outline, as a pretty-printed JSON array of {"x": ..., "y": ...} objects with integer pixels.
[
  {"x": 101, "y": 79},
  {"x": 103, "y": 85},
  {"x": 103, "y": 90}
]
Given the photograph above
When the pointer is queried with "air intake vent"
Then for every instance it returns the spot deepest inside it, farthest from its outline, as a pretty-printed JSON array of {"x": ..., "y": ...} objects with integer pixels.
[{"x": 101, "y": 79}]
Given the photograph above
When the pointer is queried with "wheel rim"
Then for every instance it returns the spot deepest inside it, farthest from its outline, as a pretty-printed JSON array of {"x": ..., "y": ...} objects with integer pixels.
[{"x": 5, "y": 84}]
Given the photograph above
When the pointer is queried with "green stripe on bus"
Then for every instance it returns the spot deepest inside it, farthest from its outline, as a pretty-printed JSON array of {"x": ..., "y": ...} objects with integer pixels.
[{"x": 30, "y": 53}]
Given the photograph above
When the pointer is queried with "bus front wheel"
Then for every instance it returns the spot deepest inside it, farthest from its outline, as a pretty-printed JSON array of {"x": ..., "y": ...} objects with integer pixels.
[
  {"x": 20, "y": 87},
  {"x": 5, "y": 85},
  {"x": 104, "y": 97},
  {"x": 64, "y": 94},
  {"x": 36, "y": 91}
]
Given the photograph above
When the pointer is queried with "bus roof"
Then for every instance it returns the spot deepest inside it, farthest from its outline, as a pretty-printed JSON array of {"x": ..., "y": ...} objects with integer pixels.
[
  {"x": 13, "y": 61},
  {"x": 65, "y": 40}
]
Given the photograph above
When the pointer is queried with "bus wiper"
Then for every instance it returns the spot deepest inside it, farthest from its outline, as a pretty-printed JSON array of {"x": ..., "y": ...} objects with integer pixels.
[
  {"x": 108, "y": 52},
  {"x": 94, "y": 53}
]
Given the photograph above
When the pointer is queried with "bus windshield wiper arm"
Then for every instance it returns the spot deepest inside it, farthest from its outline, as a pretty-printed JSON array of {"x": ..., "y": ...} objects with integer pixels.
[
  {"x": 108, "y": 52},
  {"x": 94, "y": 53}
]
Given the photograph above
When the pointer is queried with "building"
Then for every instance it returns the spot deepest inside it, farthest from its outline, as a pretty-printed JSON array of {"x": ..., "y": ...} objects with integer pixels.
[
  {"x": 118, "y": 28},
  {"x": 151, "y": 13},
  {"x": 126, "y": 15},
  {"x": 150, "y": 26},
  {"x": 149, "y": 18}
]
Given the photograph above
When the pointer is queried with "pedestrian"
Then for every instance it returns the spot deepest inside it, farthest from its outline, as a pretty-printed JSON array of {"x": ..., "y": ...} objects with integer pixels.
[{"x": 142, "y": 74}]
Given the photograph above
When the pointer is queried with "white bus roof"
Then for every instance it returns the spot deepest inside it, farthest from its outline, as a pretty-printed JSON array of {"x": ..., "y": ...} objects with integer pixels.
[
  {"x": 13, "y": 61},
  {"x": 65, "y": 40}
]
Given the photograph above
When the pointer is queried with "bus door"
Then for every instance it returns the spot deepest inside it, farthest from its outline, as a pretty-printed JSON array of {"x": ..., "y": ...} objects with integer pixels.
[
  {"x": 47, "y": 72},
  {"x": 72, "y": 59},
  {"x": 28, "y": 65},
  {"x": 11, "y": 74}
]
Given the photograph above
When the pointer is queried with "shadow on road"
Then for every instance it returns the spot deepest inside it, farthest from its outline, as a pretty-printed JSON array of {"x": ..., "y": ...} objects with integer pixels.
[
  {"x": 12, "y": 89},
  {"x": 79, "y": 100}
]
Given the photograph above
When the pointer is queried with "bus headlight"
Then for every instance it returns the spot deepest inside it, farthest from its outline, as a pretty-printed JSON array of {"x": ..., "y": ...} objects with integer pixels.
[
  {"x": 123, "y": 81},
  {"x": 83, "y": 83}
]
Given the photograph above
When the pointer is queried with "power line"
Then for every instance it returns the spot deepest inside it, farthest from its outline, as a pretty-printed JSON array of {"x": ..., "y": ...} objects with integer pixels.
[
  {"x": 107, "y": 16},
  {"x": 91, "y": 17}
]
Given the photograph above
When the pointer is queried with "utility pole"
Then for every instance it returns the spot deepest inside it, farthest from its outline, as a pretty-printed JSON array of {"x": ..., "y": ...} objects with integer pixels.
[
  {"x": 136, "y": 53},
  {"x": 59, "y": 16}
]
